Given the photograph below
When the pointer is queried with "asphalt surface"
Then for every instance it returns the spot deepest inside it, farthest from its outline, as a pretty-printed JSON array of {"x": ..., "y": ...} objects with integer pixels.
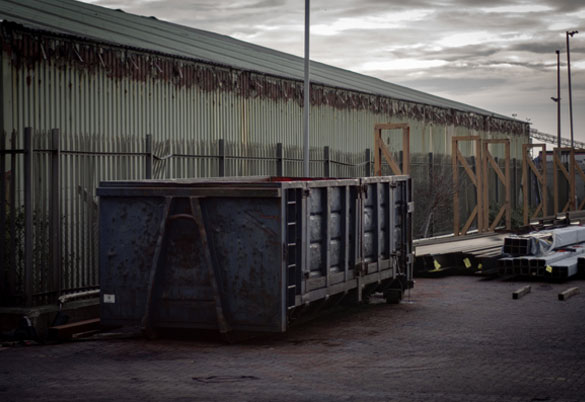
[{"x": 456, "y": 339}]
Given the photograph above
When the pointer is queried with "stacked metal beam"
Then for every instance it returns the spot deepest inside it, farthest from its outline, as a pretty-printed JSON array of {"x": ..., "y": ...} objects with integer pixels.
[
  {"x": 581, "y": 267},
  {"x": 555, "y": 254}
]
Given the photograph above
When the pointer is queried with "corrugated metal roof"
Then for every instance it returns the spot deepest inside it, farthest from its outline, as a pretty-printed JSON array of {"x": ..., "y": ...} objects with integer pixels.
[{"x": 113, "y": 26}]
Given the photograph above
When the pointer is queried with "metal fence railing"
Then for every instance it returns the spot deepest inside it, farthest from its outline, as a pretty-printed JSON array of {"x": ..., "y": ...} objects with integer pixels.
[{"x": 49, "y": 211}]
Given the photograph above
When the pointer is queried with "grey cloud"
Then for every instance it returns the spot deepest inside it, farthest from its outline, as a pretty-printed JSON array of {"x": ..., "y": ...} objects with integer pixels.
[
  {"x": 547, "y": 47},
  {"x": 456, "y": 85},
  {"x": 566, "y": 6},
  {"x": 476, "y": 20}
]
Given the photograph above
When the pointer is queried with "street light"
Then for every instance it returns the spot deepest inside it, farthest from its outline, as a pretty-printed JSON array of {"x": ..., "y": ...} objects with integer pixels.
[
  {"x": 570, "y": 33},
  {"x": 558, "y": 98},
  {"x": 307, "y": 98}
]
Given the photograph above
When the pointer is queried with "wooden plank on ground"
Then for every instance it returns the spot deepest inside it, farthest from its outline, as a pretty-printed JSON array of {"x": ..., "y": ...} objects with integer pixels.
[
  {"x": 521, "y": 292},
  {"x": 569, "y": 293},
  {"x": 66, "y": 331}
]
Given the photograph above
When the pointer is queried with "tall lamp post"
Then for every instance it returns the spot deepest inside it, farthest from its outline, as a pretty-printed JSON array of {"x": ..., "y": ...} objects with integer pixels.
[
  {"x": 307, "y": 98},
  {"x": 570, "y": 33},
  {"x": 558, "y": 98}
]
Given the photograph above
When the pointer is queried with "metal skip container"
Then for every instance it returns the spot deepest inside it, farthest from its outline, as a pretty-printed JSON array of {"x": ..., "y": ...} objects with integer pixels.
[{"x": 249, "y": 254}]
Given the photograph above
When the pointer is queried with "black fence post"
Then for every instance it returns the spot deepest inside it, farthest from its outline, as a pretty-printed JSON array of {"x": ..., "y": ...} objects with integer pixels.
[
  {"x": 55, "y": 214},
  {"x": 221, "y": 158},
  {"x": 474, "y": 170},
  {"x": 279, "y": 160},
  {"x": 327, "y": 158},
  {"x": 12, "y": 202},
  {"x": 400, "y": 161},
  {"x": 496, "y": 182},
  {"x": 514, "y": 184},
  {"x": 28, "y": 215},
  {"x": 528, "y": 190},
  {"x": 430, "y": 191},
  {"x": 3, "y": 263},
  {"x": 148, "y": 146},
  {"x": 368, "y": 162}
]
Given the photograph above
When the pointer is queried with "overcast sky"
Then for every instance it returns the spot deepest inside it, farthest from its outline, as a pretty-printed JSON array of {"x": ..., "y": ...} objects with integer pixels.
[{"x": 498, "y": 55}]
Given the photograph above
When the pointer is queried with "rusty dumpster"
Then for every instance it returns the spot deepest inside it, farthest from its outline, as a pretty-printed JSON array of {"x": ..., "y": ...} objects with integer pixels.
[{"x": 251, "y": 253}]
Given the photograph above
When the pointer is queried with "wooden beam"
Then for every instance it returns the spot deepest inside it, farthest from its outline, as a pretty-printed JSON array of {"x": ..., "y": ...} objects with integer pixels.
[
  {"x": 382, "y": 151},
  {"x": 485, "y": 183},
  {"x": 66, "y": 331},
  {"x": 581, "y": 205},
  {"x": 565, "y": 295},
  {"x": 566, "y": 206},
  {"x": 467, "y": 168},
  {"x": 468, "y": 138},
  {"x": 469, "y": 221},
  {"x": 388, "y": 156},
  {"x": 503, "y": 177},
  {"x": 406, "y": 150},
  {"x": 496, "y": 168},
  {"x": 569, "y": 177},
  {"x": 535, "y": 170},
  {"x": 560, "y": 166},
  {"x": 529, "y": 167},
  {"x": 481, "y": 207},
  {"x": 521, "y": 292},
  {"x": 475, "y": 177},
  {"x": 498, "y": 218},
  {"x": 497, "y": 141},
  {"x": 537, "y": 210},
  {"x": 390, "y": 126}
]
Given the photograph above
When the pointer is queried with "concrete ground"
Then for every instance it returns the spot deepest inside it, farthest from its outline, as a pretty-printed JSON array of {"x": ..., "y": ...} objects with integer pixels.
[{"x": 459, "y": 339}]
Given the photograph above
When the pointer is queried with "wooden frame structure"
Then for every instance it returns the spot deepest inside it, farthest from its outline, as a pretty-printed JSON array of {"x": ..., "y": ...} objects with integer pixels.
[
  {"x": 570, "y": 176},
  {"x": 480, "y": 177},
  {"x": 581, "y": 173},
  {"x": 503, "y": 177},
  {"x": 475, "y": 177},
  {"x": 527, "y": 167},
  {"x": 380, "y": 149}
]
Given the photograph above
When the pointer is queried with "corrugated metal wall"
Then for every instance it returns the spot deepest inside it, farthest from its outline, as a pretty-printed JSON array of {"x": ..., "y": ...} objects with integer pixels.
[
  {"x": 47, "y": 96},
  {"x": 106, "y": 100},
  {"x": 109, "y": 92}
]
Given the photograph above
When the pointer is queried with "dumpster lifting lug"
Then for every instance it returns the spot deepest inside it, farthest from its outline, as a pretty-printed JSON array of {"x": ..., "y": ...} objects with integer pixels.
[
  {"x": 222, "y": 323},
  {"x": 196, "y": 216},
  {"x": 147, "y": 327}
]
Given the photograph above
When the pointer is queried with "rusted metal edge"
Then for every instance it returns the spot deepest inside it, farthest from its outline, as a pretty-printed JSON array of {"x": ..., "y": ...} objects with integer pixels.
[
  {"x": 353, "y": 283},
  {"x": 321, "y": 93},
  {"x": 252, "y": 192}
]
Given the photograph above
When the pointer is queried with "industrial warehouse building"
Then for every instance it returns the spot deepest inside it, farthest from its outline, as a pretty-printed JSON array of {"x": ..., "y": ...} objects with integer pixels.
[{"x": 210, "y": 104}]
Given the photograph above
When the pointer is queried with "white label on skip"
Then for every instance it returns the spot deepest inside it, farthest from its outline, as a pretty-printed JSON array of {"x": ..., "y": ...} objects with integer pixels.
[{"x": 109, "y": 298}]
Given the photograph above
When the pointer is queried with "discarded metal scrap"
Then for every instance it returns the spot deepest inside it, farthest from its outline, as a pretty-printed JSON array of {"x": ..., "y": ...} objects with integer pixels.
[{"x": 557, "y": 253}]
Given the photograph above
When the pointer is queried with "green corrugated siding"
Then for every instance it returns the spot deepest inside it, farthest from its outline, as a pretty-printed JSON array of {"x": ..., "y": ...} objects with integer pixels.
[
  {"x": 46, "y": 96},
  {"x": 110, "y": 26}
]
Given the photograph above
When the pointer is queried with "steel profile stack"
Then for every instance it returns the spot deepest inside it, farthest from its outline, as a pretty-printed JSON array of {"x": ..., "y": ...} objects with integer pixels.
[{"x": 555, "y": 254}]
